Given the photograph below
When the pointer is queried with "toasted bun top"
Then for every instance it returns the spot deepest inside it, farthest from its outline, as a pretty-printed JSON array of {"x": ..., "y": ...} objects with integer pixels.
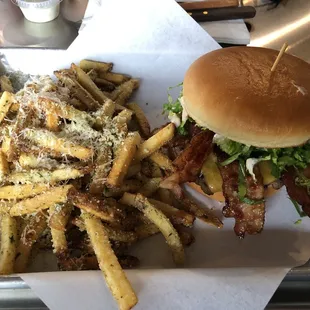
[{"x": 233, "y": 92}]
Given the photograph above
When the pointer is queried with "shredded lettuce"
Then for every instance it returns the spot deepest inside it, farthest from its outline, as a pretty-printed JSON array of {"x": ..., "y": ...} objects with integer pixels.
[
  {"x": 298, "y": 157},
  {"x": 174, "y": 109}
]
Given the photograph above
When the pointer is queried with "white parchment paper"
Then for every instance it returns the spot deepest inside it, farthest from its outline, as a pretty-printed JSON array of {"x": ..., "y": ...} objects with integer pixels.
[{"x": 156, "y": 41}]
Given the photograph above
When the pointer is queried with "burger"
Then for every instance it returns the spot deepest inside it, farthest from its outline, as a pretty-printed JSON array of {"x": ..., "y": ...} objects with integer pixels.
[{"x": 254, "y": 128}]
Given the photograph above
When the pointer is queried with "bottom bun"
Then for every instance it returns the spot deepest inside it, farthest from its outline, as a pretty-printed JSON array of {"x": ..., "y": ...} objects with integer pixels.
[{"x": 218, "y": 196}]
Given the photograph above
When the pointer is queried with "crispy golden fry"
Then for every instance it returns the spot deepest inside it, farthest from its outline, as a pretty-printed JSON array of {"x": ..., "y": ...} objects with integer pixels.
[
  {"x": 4, "y": 166},
  {"x": 33, "y": 228},
  {"x": 108, "y": 263},
  {"x": 203, "y": 214},
  {"x": 133, "y": 170},
  {"x": 155, "y": 142},
  {"x": 93, "y": 74},
  {"x": 28, "y": 161},
  {"x": 68, "y": 79},
  {"x": 131, "y": 186},
  {"x": 8, "y": 244},
  {"x": 22, "y": 191},
  {"x": 42, "y": 201},
  {"x": 104, "y": 209},
  {"x": 52, "y": 121},
  {"x": 122, "y": 118},
  {"x": 65, "y": 111},
  {"x": 103, "y": 165},
  {"x": 162, "y": 161},
  {"x": 104, "y": 84},
  {"x": 59, "y": 216},
  {"x": 14, "y": 107},
  {"x": 115, "y": 78},
  {"x": 6, "y": 101},
  {"x": 46, "y": 176},
  {"x": 114, "y": 234},
  {"x": 123, "y": 92},
  {"x": 160, "y": 220},
  {"x": 175, "y": 215},
  {"x": 141, "y": 119},
  {"x": 5, "y": 84},
  {"x": 49, "y": 140},
  {"x": 150, "y": 187},
  {"x": 125, "y": 155},
  {"x": 155, "y": 171},
  {"x": 104, "y": 114},
  {"x": 88, "y": 84},
  {"x": 99, "y": 66}
]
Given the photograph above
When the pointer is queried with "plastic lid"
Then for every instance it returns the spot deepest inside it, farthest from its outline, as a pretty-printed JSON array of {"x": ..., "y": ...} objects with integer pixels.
[{"x": 36, "y": 4}]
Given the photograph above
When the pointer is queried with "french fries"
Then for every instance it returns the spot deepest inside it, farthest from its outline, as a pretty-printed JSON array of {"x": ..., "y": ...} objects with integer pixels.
[
  {"x": 161, "y": 221},
  {"x": 141, "y": 119},
  {"x": 42, "y": 201},
  {"x": 6, "y": 101},
  {"x": 100, "y": 66},
  {"x": 45, "y": 176},
  {"x": 155, "y": 142},
  {"x": 31, "y": 232},
  {"x": 8, "y": 244},
  {"x": 108, "y": 263},
  {"x": 76, "y": 175},
  {"x": 125, "y": 155},
  {"x": 13, "y": 192},
  {"x": 48, "y": 140}
]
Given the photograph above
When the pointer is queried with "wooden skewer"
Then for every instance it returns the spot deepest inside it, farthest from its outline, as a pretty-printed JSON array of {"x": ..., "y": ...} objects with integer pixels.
[{"x": 282, "y": 51}]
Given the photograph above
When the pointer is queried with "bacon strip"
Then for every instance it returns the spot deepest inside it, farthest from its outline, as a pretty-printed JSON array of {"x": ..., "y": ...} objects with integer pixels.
[
  {"x": 249, "y": 218},
  {"x": 188, "y": 164},
  {"x": 296, "y": 192}
]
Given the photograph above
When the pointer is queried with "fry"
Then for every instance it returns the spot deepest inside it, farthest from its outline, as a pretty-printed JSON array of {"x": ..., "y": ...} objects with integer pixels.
[
  {"x": 103, "y": 165},
  {"x": 8, "y": 244},
  {"x": 176, "y": 216},
  {"x": 4, "y": 166},
  {"x": 6, "y": 101},
  {"x": 65, "y": 111},
  {"x": 46, "y": 176},
  {"x": 204, "y": 214},
  {"x": 100, "y": 66},
  {"x": 131, "y": 186},
  {"x": 41, "y": 202},
  {"x": 146, "y": 230},
  {"x": 22, "y": 191},
  {"x": 141, "y": 119},
  {"x": 88, "y": 84},
  {"x": 104, "y": 209},
  {"x": 104, "y": 113},
  {"x": 122, "y": 118},
  {"x": 123, "y": 92},
  {"x": 108, "y": 263},
  {"x": 155, "y": 142},
  {"x": 5, "y": 84},
  {"x": 150, "y": 187},
  {"x": 77, "y": 90},
  {"x": 160, "y": 220},
  {"x": 113, "y": 233},
  {"x": 104, "y": 84},
  {"x": 31, "y": 232},
  {"x": 28, "y": 161},
  {"x": 115, "y": 78},
  {"x": 52, "y": 121},
  {"x": 162, "y": 161},
  {"x": 125, "y": 155},
  {"x": 47, "y": 139},
  {"x": 59, "y": 216}
]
